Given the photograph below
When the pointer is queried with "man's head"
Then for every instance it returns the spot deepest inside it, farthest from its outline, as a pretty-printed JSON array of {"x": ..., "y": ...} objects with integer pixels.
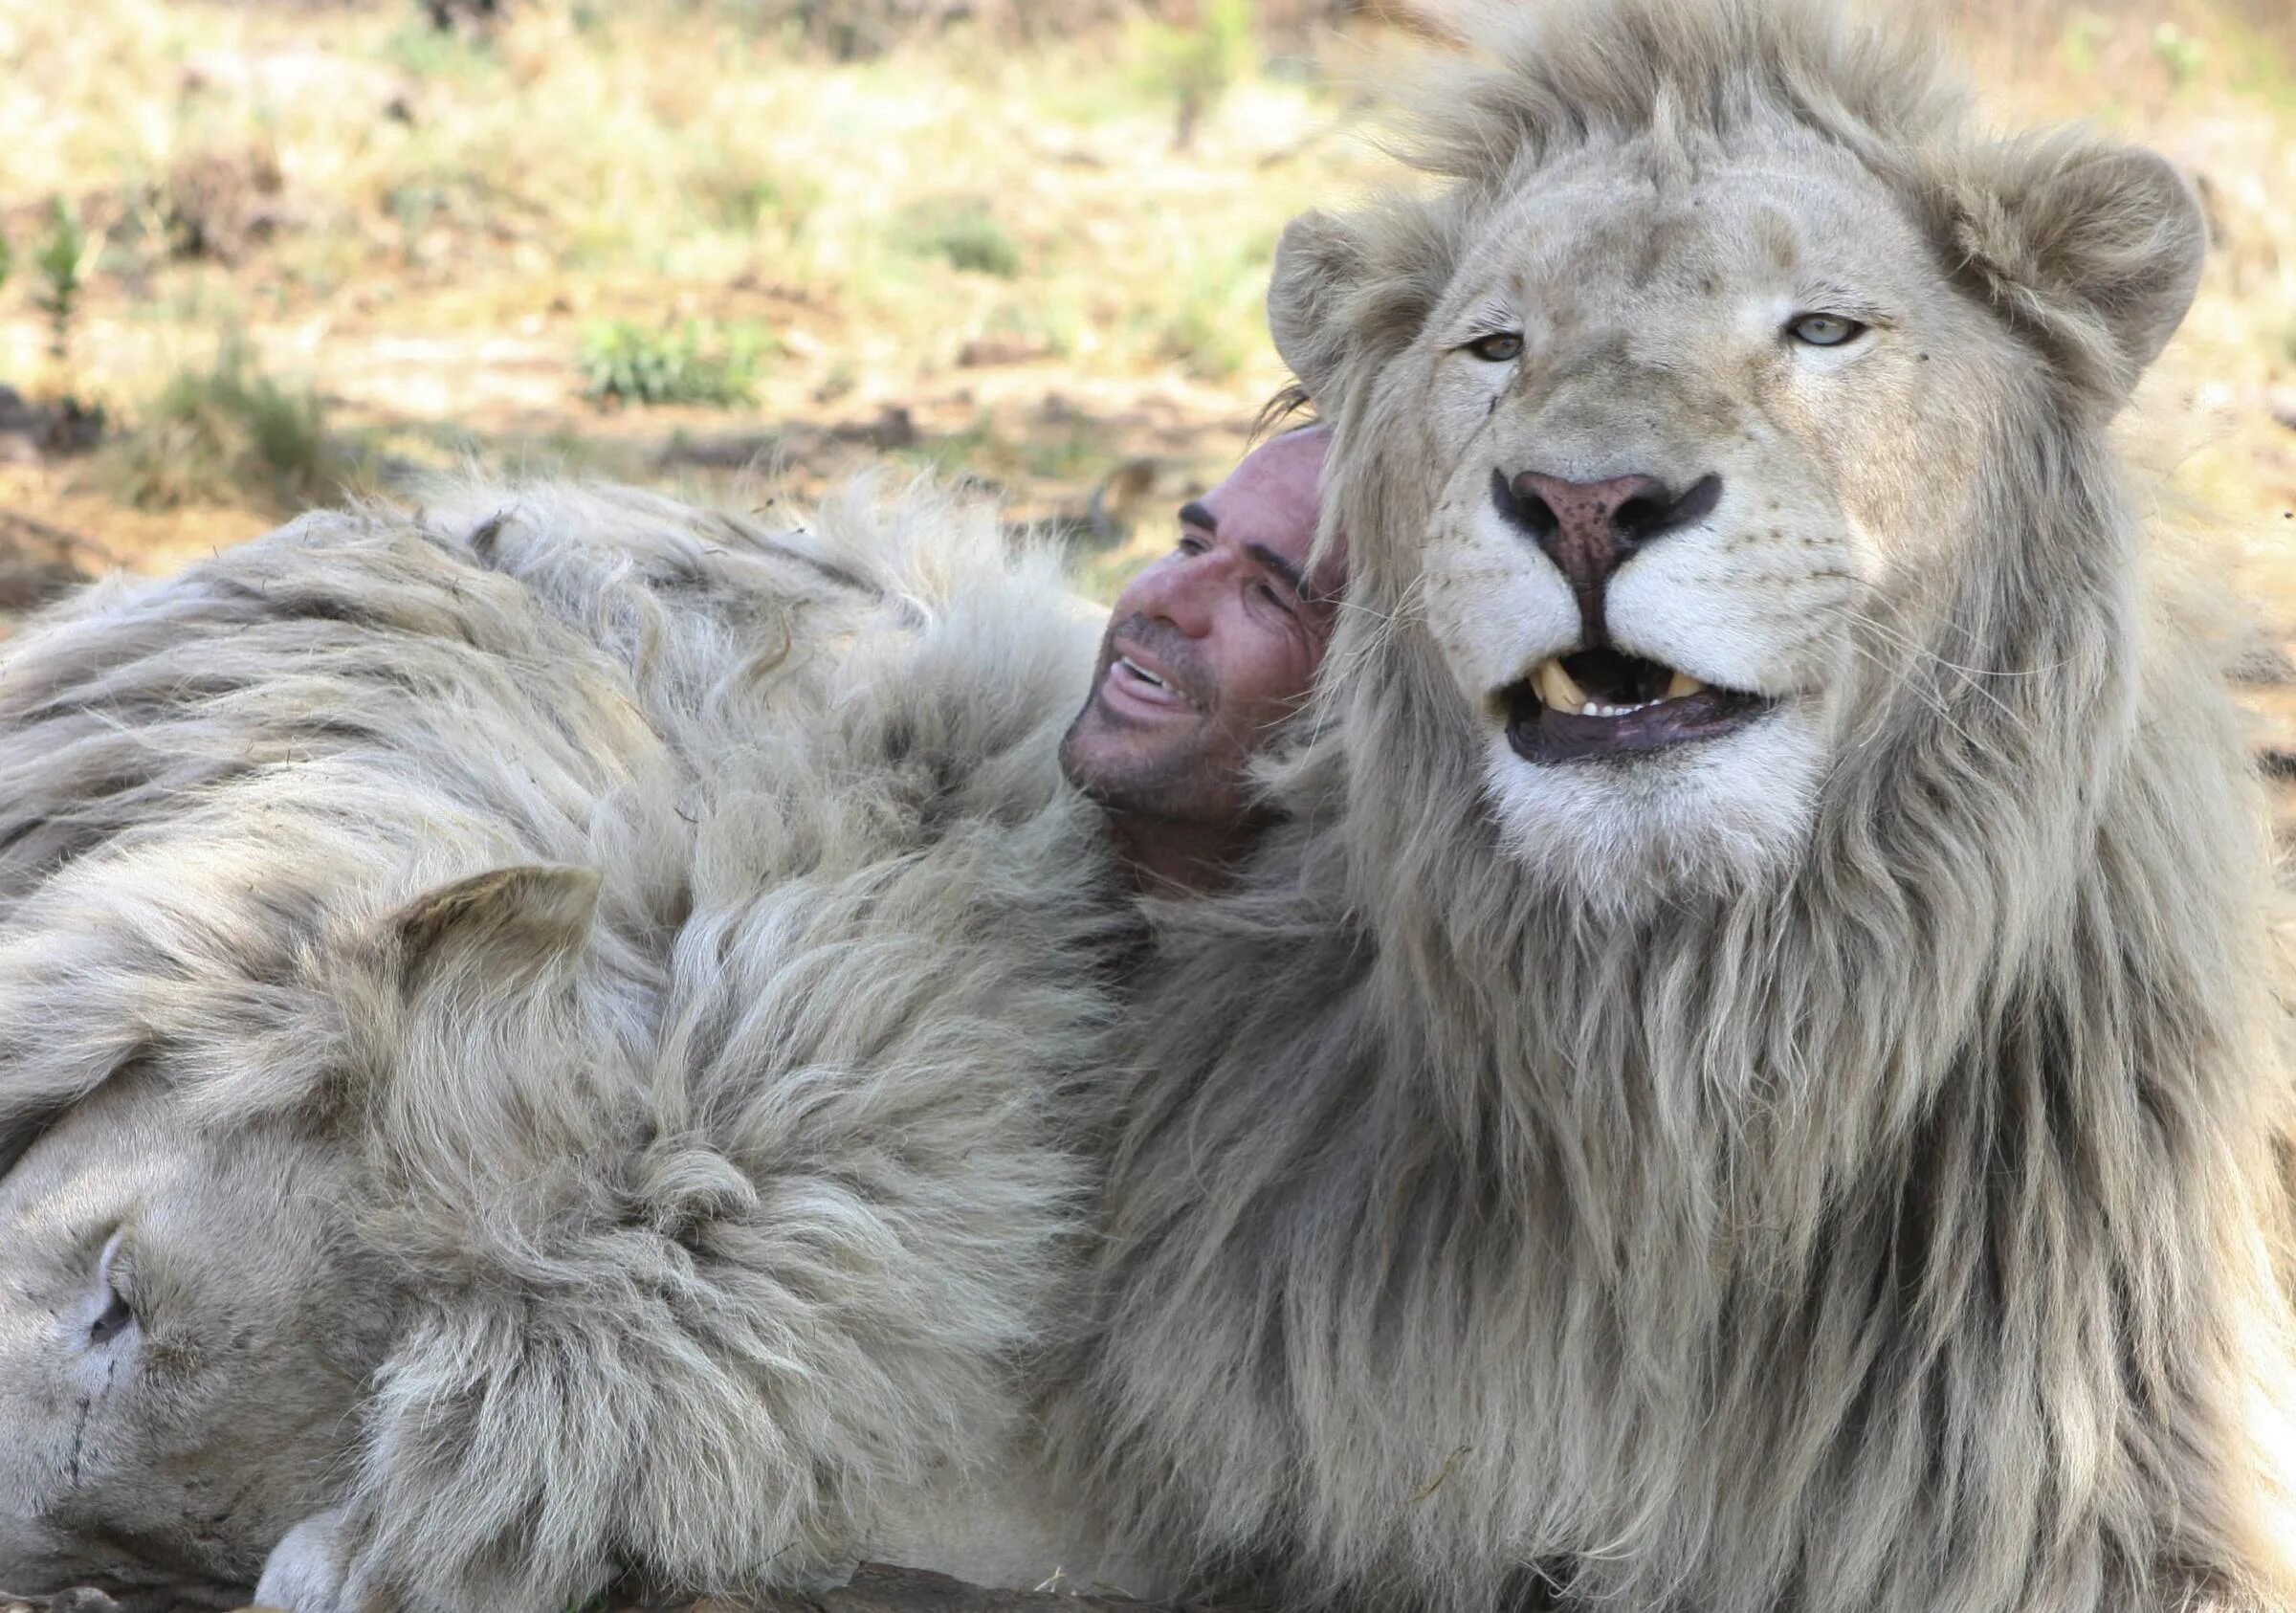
[{"x": 1207, "y": 652}]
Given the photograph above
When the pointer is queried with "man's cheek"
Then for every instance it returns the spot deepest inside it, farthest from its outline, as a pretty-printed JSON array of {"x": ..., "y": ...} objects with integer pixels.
[{"x": 1282, "y": 677}]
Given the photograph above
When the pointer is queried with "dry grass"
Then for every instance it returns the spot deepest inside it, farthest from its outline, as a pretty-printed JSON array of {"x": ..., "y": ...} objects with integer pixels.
[
  {"x": 1009, "y": 248},
  {"x": 1039, "y": 264},
  {"x": 224, "y": 433}
]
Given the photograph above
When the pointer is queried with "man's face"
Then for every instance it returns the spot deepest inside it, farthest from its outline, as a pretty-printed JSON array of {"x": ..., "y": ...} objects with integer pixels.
[{"x": 1209, "y": 648}]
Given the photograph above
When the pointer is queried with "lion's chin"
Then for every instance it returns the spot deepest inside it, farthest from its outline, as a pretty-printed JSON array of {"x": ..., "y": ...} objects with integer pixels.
[
  {"x": 1599, "y": 704},
  {"x": 1717, "y": 807}
]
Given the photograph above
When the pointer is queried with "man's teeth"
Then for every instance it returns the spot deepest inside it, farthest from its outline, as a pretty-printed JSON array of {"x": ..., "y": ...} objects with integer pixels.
[
  {"x": 1558, "y": 691},
  {"x": 1139, "y": 671}
]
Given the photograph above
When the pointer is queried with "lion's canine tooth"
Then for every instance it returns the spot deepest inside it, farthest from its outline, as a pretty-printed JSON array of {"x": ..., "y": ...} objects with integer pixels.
[
  {"x": 1561, "y": 691},
  {"x": 1682, "y": 684}
]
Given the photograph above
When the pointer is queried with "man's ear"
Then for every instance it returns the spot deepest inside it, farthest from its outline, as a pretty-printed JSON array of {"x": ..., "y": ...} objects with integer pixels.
[
  {"x": 1350, "y": 288},
  {"x": 510, "y": 922},
  {"x": 2094, "y": 250}
]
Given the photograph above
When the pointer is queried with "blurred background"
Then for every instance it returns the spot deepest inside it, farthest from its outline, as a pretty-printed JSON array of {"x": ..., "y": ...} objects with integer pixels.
[{"x": 258, "y": 252}]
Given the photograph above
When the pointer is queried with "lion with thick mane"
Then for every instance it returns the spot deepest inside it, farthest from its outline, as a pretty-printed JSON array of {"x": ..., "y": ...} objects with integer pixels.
[
  {"x": 1747, "y": 1082},
  {"x": 546, "y": 1036}
]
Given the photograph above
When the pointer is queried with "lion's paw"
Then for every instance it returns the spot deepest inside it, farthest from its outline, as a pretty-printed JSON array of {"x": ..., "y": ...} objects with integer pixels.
[{"x": 309, "y": 1570}]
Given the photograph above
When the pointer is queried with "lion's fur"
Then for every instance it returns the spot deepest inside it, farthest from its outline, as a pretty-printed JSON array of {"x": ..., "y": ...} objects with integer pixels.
[
  {"x": 1883, "y": 1219},
  {"x": 671, "y": 950}
]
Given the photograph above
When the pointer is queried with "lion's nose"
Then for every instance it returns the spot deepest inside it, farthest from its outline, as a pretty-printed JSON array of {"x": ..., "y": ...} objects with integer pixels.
[{"x": 1588, "y": 528}]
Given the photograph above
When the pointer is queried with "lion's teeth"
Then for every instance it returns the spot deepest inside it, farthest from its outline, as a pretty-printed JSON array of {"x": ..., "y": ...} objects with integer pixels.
[{"x": 1559, "y": 690}]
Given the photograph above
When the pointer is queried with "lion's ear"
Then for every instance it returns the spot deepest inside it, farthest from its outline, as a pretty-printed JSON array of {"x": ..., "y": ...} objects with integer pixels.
[
  {"x": 1353, "y": 288},
  {"x": 1316, "y": 262},
  {"x": 512, "y": 923},
  {"x": 2097, "y": 250}
]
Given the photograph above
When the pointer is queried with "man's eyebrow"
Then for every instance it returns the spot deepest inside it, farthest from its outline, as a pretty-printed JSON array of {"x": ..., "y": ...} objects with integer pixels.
[
  {"x": 1195, "y": 512},
  {"x": 1278, "y": 565}
]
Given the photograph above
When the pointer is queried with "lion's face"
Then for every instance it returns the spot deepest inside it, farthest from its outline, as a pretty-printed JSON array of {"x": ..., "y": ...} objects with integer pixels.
[
  {"x": 1690, "y": 447},
  {"x": 1683, "y": 430},
  {"x": 193, "y": 1299},
  {"x": 182, "y": 1342}
]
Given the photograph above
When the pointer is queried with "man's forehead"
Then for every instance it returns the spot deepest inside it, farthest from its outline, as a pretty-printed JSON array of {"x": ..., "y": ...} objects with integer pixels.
[{"x": 1271, "y": 497}]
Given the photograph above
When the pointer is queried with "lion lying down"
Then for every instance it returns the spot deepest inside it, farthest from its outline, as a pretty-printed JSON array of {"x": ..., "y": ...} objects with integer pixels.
[{"x": 541, "y": 1037}]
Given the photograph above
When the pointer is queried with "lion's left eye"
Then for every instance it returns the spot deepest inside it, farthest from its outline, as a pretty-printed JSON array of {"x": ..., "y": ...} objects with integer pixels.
[
  {"x": 1500, "y": 346},
  {"x": 1825, "y": 330}
]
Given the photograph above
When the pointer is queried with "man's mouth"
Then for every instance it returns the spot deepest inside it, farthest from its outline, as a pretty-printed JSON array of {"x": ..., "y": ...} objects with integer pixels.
[
  {"x": 1603, "y": 702},
  {"x": 1135, "y": 687}
]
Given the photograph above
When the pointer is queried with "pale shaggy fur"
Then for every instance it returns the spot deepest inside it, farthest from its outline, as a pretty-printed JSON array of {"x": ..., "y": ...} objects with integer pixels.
[
  {"x": 1826, "y": 1168},
  {"x": 576, "y": 1009}
]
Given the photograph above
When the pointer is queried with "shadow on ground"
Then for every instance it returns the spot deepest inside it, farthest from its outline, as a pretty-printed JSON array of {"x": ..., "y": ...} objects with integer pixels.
[{"x": 873, "y": 1589}]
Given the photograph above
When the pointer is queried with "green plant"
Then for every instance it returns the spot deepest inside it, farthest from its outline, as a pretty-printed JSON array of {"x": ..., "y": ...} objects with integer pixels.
[
  {"x": 2260, "y": 58},
  {"x": 2182, "y": 54},
  {"x": 221, "y": 433},
  {"x": 414, "y": 206},
  {"x": 710, "y": 365},
  {"x": 1197, "y": 65},
  {"x": 62, "y": 260},
  {"x": 2085, "y": 37},
  {"x": 1214, "y": 328},
  {"x": 844, "y": 377},
  {"x": 735, "y": 195},
  {"x": 438, "y": 53},
  {"x": 961, "y": 230}
]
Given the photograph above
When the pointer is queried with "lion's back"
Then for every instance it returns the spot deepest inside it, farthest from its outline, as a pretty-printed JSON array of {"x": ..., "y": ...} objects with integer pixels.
[{"x": 538, "y": 649}]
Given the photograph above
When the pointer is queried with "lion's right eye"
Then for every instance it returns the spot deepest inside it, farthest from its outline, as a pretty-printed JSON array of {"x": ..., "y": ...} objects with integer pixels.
[
  {"x": 1500, "y": 346},
  {"x": 112, "y": 1313},
  {"x": 1825, "y": 330}
]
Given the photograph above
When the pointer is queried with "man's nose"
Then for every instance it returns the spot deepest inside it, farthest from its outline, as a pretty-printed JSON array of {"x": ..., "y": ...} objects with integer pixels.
[
  {"x": 1589, "y": 528},
  {"x": 1183, "y": 595}
]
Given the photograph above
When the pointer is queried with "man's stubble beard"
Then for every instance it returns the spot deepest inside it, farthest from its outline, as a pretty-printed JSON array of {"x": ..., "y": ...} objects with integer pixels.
[{"x": 1188, "y": 786}]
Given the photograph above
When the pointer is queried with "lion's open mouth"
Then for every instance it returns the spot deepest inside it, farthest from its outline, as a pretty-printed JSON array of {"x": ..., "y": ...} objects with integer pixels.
[{"x": 1601, "y": 702}]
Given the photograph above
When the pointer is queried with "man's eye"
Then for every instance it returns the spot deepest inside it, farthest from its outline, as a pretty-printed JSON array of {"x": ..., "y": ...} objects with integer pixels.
[{"x": 1500, "y": 346}]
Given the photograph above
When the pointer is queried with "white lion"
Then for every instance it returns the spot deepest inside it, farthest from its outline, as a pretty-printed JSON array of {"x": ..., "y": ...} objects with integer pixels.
[
  {"x": 545, "y": 1037},
  {"x": 1747, "y": 1083}
]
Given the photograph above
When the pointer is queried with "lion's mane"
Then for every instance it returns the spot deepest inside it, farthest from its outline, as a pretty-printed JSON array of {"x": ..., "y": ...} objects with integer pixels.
[{"x": 1899, "y": 1233}]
